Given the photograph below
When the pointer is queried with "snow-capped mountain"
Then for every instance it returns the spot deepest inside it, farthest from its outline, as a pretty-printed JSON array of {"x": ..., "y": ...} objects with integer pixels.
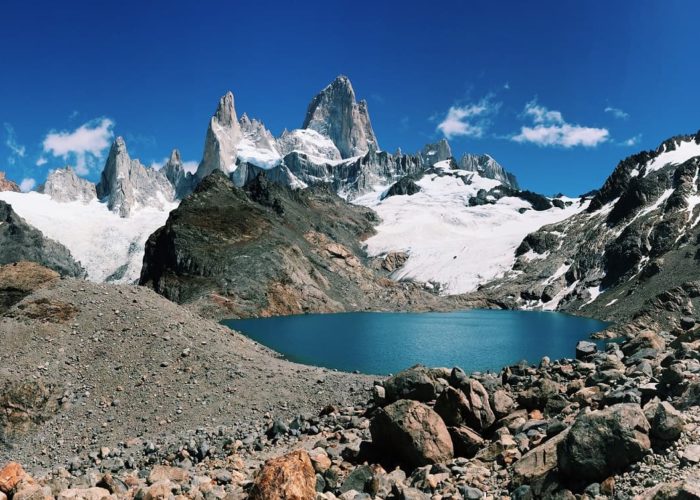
[
  {"x": 106, "y": 225},
  {"x": 638, "y": 237}
]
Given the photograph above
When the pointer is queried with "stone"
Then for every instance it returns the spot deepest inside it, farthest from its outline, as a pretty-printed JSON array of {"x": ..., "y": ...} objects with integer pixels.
[
  {"x": 501, "y": 403},
  {"x": 84, "y": 494},
  {"x": 412, "y": 433},
  {"x": 164, "y": 472},
  {"x": 162, "y": 490},
  {"x": 359, "y": 479},
  {"x": 468, "y": 406},
  {"x": 10, "y": 475},
  {"x": 687, "y": 322},
  {"x": 691, "y": 454},
  {"x": 585, "y": 348},
  {"x": 644, "y": 340},
  {"x": 417, "y": 383},
  {"x": 289, "y": 477},
  {"x": 684, "y": 489},
  {"x": 539, "y": 461},
  {"x": 603, "y": 442},
  {"x": 666, "y": 422},
  {"x": 466, "y": 441}
]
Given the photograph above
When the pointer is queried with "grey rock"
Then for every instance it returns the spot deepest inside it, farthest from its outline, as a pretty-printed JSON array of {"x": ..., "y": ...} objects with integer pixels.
[
  {"x": 63, "y": 184},
  {"x": 223, "y": 135},
  {"x": 603, "y": 442},
  {"x": 126, "y": 184},
  {"x": 487, "y": 167},
  {"x": 335, "y": 113}
]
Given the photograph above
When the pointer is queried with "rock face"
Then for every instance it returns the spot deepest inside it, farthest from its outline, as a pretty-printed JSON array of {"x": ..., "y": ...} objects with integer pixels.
[
  {"x": 487, "y": 167},
  {"x": 405, "y": 186},
  {"x": 253, "y": 251},
  {"x": 183, "y": 182},
  {"x": 19, "y": 241},
  {"x": 126, "y": 184},
  {"x": 412, "y": 433},
  {"x": 434, "y": 153},
  {"x": 7, "y": 185},
  {"x": 290, "y": 477},
  {"x": 19, "y": 279},
  {"x": 64, "y": 185},
  {"x": 335, "y": 114},
  {"x": 603, "y": 442},
  {"x": 223, "y": 135}
]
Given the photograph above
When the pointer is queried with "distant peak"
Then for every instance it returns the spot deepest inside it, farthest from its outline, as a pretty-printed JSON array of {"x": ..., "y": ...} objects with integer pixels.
[
  {"x": 175, "y": 156},
  {"x": 225, "y": 111}
]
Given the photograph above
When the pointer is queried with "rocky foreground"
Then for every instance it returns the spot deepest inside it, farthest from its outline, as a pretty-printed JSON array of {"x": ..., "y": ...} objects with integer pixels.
[{"x": 130, "y": 396}]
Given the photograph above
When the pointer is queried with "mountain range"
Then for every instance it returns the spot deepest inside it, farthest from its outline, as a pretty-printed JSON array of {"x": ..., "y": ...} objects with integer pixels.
[{"x": 451, "y": 226}]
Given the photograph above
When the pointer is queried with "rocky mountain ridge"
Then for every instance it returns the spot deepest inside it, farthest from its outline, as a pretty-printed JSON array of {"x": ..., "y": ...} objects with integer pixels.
[
  {"x": 8, "y": 185},
  {"x": 636, "y": 239}
]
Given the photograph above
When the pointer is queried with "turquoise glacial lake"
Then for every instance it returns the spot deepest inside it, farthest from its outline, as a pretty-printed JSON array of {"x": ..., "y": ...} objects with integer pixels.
[{"x": 383, "y": 343}]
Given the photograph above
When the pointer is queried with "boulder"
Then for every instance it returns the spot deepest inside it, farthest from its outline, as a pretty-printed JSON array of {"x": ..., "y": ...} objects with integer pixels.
[
  {"x": 466, "y": 441},
  {"x": 645, "y": 340},
  {"x": 537, "y": 463},
  {"x": 417, "y": 383},
  {"x": 412, "y": 433},
  {"x": 501, "y": 403},
  {"x": 10, "y": 476},
  {"x": 467, "y": 406},
  {"x": 688, "y": 488},
  {"x": 289, "y": 477},
  {"x": 603, "y": 442},
  {"x": 666, "y": 423},
  {"x": 585, "y": 348},
  {"x": 164, "y": 472}
]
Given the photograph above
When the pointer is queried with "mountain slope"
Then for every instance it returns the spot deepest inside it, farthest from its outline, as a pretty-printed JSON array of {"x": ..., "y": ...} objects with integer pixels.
[
  {"x": 459, "y": 229},
  {"x": 21, "y": 242},
  {"x": 269, "y": 250},
  {"x": 638, "y": 238}
]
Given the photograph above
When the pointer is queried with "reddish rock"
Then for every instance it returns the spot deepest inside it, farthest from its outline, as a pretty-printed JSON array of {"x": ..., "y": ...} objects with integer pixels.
[
  {"x": 10, "y": 475},
  {"x": 289, "y": 477},
  {"x": 7, "y": 185}
]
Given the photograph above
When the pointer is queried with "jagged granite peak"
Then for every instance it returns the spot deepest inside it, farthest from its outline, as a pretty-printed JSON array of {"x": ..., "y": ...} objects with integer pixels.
[
  {"x": 8, "y": 185},
  {"x": 335, "y": 113},
  {"x": 223, "y": 135},
  {"x": 126, "y": 184},
  {"x": 487, "y": 167},
  {"x": 64, "y": 185},
  {"x": 181, "y": 180},
  {"x": 434, "y": 153},
  {"x": 255, "y": 131},
  {"x": 310, "y": 143},
  {"x": 20, "y": 241}
]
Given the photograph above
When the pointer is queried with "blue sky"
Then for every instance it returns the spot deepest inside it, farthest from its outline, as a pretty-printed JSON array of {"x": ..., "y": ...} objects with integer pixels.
[{"x": 558, "y": 92}]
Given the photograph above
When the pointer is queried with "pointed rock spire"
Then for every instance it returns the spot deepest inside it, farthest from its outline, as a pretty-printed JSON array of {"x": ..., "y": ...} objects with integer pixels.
[
  {"x": 182, "y": 181},
  {"x": 335, "y": 114},
  {"x": 125, "y": 184},
  {"x": 223, "y": 135}
]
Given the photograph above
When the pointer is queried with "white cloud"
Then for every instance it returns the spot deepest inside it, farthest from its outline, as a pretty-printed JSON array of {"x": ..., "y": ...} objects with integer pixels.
[
  {"x": 190, "y": 166},
  {"x": 550, "y": 129},
  {"x": 85, "y": 145},
  {"x": 27, "y": 184},
  {"x": 632, "y": 141},
  {"x": 617, "y": 112},
  {"x": 41, "y": 161},
  {"x": 469, "y": 120},
  {"x": 16, "y": 150}
]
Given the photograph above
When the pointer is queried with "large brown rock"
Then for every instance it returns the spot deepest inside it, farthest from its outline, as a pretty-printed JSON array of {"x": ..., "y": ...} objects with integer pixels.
[
  {"x": 19, "y": 279},
  {"x": 10, "y": 476},
  {"x": 418, "y": 383},
  {"x": 645, "y": 340},
  {"x": 411, "y": 433},
  {"x": 466, "y": 441},
  {"x": 537, "y": 463},
  {"x": 603, "y": 442},
  {"x": 289, "y": 477},
  {"x": 84, "y": 494},
  {"x": 470, "y": 408}
]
